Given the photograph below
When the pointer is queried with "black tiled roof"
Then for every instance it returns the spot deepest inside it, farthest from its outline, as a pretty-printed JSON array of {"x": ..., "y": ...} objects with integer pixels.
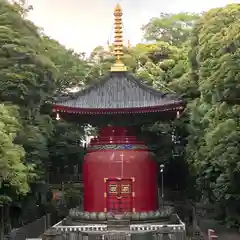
[{"x": 117, "y": 91}]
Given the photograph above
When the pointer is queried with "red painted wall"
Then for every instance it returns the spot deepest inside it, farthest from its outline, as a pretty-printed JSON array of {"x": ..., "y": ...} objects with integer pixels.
[{"x": 119, "y": 163}]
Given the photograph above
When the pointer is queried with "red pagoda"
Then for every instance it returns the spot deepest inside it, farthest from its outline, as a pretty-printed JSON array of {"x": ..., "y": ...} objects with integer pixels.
[{"x": 120, "y": 173}]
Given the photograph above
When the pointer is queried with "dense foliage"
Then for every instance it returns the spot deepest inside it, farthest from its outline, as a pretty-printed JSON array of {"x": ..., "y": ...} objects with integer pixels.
[
  {"x": 214, "y": 149},
  {"x": 195, "y": 56},
  {"x": 33, "y": 68}
]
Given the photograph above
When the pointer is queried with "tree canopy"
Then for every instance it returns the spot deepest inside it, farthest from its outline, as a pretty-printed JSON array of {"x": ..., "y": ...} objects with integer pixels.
[
  {"x": 33, "y": 69},
  {"x": 213, "y": 147}
]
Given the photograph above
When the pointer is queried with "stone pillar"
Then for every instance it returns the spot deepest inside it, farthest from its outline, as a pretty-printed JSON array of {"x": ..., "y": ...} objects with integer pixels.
[
  {"x": 91, "y": 236},
  {"x": 194, "y": 218},
  {"x": 52, "y": 234},
  {"x": 85, "y": 236},
  {"x": 80, "y": 236},
  {"x": 129, "y": 237},
  {"x": 165, "y": 236},
  {"x": 180, "y": 235},
  {"x": 73, "y": 236},
  {"x": 48, "y": 220}
]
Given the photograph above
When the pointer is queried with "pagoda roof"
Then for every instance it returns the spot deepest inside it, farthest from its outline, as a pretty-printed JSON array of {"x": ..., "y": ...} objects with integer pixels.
[{"x": 118, "y": 92}]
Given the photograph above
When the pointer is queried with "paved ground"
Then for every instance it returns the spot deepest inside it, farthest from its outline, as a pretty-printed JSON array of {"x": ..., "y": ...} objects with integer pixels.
[
  {"x": 229, "y": 236},
  {"x": 222, "y": 232}
]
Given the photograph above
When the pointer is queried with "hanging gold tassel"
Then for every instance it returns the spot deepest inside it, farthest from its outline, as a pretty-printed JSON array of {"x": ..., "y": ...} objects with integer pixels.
[
  {"x": 58, "y": 117},
  {"x": 178, "y": 114}
]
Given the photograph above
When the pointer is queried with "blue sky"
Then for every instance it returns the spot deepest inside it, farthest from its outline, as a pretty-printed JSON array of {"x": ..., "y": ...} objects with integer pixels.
[{"x": 85, "y": 24}]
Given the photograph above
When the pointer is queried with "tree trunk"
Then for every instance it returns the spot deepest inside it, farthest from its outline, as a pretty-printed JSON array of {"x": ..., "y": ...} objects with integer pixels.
[{"x": 1, "y": 223}]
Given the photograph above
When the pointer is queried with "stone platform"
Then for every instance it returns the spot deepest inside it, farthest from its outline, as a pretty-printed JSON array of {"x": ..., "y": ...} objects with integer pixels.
[{"x": 120, "y": 227}]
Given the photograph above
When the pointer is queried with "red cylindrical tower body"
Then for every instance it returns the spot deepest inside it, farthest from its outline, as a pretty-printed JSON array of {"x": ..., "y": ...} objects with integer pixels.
[{"x": 119, "y": 174}]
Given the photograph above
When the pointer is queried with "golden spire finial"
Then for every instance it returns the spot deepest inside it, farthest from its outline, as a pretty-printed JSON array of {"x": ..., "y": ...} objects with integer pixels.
[{"x": 118, "y": 66}]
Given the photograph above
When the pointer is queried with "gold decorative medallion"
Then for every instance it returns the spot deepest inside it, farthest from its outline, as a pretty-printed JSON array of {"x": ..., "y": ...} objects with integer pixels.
[
  {"x": 125, "y": 188},
  {"x": 112, "y": 188}
]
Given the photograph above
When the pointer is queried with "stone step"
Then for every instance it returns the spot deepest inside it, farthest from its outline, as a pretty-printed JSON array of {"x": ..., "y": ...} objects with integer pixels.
[
  {"x": 118, "y": 224},
  {"x": 118, "y": 227}
]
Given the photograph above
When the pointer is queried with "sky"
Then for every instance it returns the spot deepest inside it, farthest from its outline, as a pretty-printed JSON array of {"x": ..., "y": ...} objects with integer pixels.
[{"x": 84, "y": 24}]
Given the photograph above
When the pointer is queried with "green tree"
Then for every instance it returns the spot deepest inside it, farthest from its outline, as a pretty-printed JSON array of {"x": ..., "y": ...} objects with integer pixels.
[
  {"x": 172, "y": 28},
  {"x": 65, "y": 145},
  {"x": 72, "y": 68},
  {"x": 27, "y": 76},
  {"x": 14, "y": 172},
  {"x": 33, "y": 68},
  {"x": 213, "y": 146}
]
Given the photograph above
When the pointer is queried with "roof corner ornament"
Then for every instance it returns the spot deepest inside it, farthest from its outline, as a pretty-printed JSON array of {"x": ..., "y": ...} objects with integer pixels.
[{"x": 118, "y": 66}]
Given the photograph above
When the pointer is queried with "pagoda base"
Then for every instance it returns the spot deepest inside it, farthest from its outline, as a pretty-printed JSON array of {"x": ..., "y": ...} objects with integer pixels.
[
  {"x": 79, "y": 215},
  {"x": 122, "y": 226}
]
